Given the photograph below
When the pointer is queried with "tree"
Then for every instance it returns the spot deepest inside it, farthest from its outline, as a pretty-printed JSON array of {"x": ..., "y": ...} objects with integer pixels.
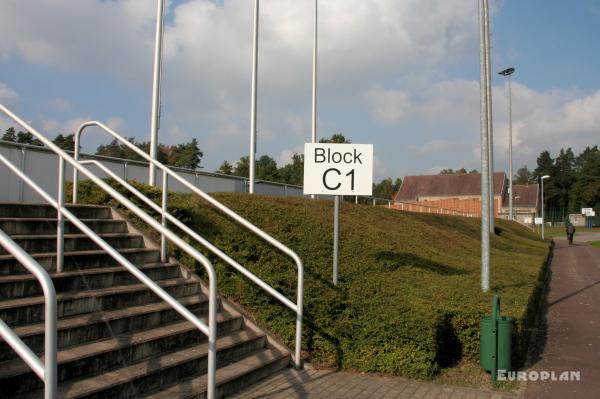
[
  {"x": 10, "y": 135},
  {"x": 293, "y": 173},
  {"x": 242, "y": 167},
  {"x": 386, "y": 188},
  {"x": 65, "y": 142},
  {"x": 524, "y": 176},
  {"x": 186, "y": 155},
  {"x": 226, "y": 168},
  {"x": 266, "y": 168},
  {"x": 336, "y": 138},
  {"x": 453, "y": 172},
  {"x": 586, "y": 189},
  {"x": 27, "y": 138},
  {"x": 20, "y": 137}
]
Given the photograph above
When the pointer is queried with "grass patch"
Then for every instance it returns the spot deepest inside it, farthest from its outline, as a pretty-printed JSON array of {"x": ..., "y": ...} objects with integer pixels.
[
  {"x": 408, "y": 300},
  {"x": 595, "y": 244},
  {"x": 551, "y": 232}
]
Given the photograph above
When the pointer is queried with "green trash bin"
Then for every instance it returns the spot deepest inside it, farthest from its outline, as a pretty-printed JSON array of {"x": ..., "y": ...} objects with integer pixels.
[{"x": 495, "y": 340}]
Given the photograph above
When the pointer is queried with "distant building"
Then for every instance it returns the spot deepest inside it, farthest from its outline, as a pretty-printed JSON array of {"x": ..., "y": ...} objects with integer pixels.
[
  {"x": 459, "y": 192},
  {"x": 525, "y": 203}
]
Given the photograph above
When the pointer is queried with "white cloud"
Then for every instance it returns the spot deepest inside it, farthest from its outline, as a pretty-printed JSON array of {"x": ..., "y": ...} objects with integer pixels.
[
  {"x": 60, "y": 105},
  {"x": 380, "y": 170},
  {"x": 432, "y": 147},
  {"x": 394, "y": 56},
  {"x": 285, "y": 156},
  {"x": 90, "y": 35},
  {"x": 388, "y": 106},
  {"x": 7, "y": 95}
]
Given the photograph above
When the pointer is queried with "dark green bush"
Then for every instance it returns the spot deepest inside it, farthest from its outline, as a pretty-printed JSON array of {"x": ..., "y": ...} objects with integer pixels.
[{"x": 408, "y": 300}]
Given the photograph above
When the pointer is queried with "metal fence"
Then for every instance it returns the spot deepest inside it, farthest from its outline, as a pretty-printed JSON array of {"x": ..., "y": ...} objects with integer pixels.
[{"x": 40, "y": 164}]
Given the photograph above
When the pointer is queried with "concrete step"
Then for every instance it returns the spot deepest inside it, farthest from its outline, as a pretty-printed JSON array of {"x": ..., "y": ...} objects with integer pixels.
[
  {"x": 230, "y": 379},
  {"x": 87, "y": 360},
  {"x": 38, "y": 226},
  {"x": 91, "y": 327},
  {"x": 29, "y": 310},
  {"x": 74, "y": 242},
  {"x": 24, "y": 285},
  {"x": 151, "y": 374},
  {"x": 25, "y": 210},
  {"x": 80, "y": 260}
]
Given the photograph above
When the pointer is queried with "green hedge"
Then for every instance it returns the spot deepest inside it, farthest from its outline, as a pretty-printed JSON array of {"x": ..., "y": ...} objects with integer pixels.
[{"x": 408, "y": 300}]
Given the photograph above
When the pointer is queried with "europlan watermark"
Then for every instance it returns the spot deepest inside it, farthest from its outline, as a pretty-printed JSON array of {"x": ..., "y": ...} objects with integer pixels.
[{"x": 571, "y": 375}]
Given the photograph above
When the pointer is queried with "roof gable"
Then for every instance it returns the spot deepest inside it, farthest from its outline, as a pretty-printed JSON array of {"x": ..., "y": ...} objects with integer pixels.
[{"x": 451, "y": 185}]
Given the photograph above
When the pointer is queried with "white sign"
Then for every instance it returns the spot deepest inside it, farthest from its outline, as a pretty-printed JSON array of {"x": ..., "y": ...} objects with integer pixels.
[
  {"x": 538, "y": 220},
  {"x": 338, "y": 169},
  {"x": 528, "y": 220},
  {"x": 588, "y": 211}
]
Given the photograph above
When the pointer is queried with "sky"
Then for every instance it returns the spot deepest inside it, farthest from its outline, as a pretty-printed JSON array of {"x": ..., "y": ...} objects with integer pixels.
[{"x": 402, "y": 75}]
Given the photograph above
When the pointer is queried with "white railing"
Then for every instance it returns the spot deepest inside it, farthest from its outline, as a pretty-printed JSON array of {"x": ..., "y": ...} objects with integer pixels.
[
  {"x": 209, "y": 329},
  {"x": 46, "y": 371},
  {"x": 166, "y": 217}
]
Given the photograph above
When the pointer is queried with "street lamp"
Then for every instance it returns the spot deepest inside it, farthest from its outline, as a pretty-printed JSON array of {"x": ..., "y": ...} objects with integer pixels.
[
  {"x": 543, "y": 177},
  {"x": 507, "y": 72}
]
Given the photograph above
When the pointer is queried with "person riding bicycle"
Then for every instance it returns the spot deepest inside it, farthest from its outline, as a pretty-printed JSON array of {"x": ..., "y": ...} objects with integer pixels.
[{"x": 570, "y": 233}]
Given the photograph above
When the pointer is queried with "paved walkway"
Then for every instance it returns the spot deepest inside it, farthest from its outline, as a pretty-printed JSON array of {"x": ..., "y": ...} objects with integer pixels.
[
  {"x": 328, "y": 384},
  {"x": 571, "y": 341}
]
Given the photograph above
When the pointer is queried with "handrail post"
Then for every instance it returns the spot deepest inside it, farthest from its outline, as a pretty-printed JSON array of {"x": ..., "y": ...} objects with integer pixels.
[
  {"x": 21, "y": 184},
  {"x": 299, "y": 315},
  {"x": 76, "y": 151},
  {"x": 51, "y": 341},
  {"x": 212, "y": 336},
  {"x": 165, "y": 198},
  {"x": 60, "y": 219}
]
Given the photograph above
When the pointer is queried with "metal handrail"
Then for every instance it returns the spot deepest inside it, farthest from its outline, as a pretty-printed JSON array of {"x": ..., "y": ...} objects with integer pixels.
[
  {"x": 62, "y": 211},
  {"x": 46, "y": 371},
  {"x": 172, "y": 219},
  {"x": 297, "y": 307}
]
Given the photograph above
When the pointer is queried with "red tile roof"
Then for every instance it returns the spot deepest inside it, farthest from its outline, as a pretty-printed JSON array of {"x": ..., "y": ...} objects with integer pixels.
[
  {"x": 454, "y": 185},
  {"x": 526, "y": 196}
]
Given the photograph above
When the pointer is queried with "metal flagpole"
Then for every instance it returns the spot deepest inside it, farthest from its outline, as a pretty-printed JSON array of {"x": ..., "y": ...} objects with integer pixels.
[
  {"x": 490, "y": 129},
  {"x": 485, "y": 189},
  {"x": 155, "y": 122},
  {"x": 314, "y": 82},
  {"x": 253, "y": 101}
]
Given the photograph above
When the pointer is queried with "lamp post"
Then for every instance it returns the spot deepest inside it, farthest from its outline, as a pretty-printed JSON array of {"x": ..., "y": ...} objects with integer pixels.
[
  {"x": 507, "y": 72},
  {"x": 543, "y": 177},
  {"x": 252, "y": 155}
]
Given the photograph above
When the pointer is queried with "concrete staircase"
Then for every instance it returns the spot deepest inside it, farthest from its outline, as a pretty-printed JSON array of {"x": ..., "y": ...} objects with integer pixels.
[{"x": 116, "y": 339}]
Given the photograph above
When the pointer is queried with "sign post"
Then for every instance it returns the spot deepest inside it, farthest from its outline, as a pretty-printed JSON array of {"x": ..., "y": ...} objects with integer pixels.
[{"x": 338, "y": 169}]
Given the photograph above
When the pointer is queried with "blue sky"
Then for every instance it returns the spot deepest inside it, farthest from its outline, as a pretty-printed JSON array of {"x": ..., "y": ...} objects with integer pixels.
[{"x": 402, "y": 75}]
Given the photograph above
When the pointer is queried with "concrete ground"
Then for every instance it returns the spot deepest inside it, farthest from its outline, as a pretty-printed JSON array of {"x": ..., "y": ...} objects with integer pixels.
[
  {"x": 329, "y": 384},
  {"x": 571, "y": 339}
]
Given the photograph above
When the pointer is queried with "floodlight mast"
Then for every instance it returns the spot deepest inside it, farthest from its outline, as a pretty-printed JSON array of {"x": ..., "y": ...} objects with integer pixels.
[
  {"x": 252, "y": 154},
  {"x": 507, "y": 72},
  {"x": 485, "y": 177},
  {"x": 490, "y": 124},
  {"x": 156, "y": 81}
]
